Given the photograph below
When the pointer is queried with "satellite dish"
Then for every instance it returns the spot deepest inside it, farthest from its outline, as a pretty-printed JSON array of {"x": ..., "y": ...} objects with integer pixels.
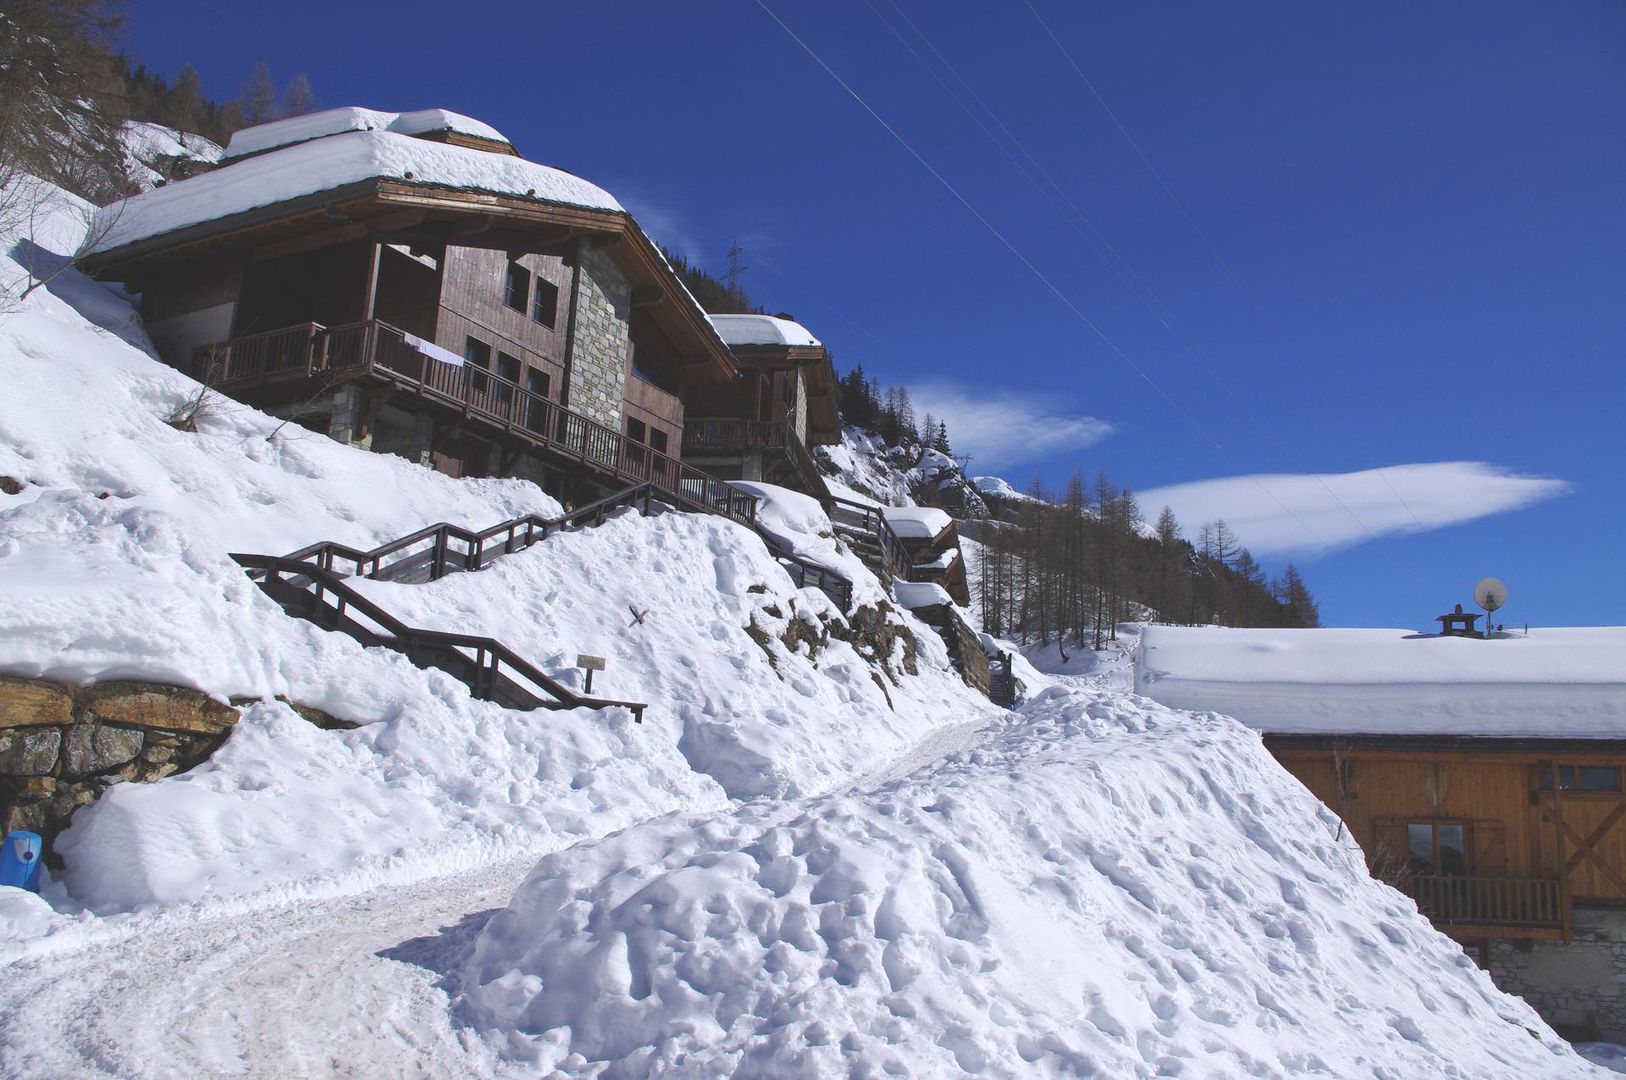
[{"x": 1490, "y": 594}]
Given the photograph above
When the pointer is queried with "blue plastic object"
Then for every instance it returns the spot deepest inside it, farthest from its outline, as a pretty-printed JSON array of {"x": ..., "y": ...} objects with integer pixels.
[{"x": 20, "y": 860}]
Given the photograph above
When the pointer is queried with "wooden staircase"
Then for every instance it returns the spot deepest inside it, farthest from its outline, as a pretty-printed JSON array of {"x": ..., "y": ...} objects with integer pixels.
[
  {"x": 491, "y": 670},
  {"x": 1002, "y": 683}
]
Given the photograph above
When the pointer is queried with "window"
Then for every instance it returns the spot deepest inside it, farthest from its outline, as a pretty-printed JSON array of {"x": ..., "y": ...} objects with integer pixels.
[
  {"x": 478, "y": 355},
  {"x": 1582, "y": 778},
  {"x": 1437, "y": 848},
  {"x": 545, "y": 302},
  {"x": 536, "y": 413},
  {"x": 657, "y": 440},
  {"x": 507, "y": 370},
  {"x": 635, "y": 430},
  {"x": 516, "y": 289}
]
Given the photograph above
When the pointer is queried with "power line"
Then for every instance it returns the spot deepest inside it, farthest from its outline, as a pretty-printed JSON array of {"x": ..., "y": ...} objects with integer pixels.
[
  {"x": 1160, "y": 309},
  {"x": 1277, "y": 339},
  {"x": 1025, "y": 261}
]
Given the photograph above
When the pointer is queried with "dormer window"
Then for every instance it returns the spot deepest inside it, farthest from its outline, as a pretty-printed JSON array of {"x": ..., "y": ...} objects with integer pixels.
[{"x": 516, "y": 290}]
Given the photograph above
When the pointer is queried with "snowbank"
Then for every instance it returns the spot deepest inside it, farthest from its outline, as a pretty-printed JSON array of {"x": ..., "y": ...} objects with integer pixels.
[
  {"x": 298, "y": 129},
  {"x": 1557, "y": 683},
  {"x": 1070, "y": 896},
  {"x": 762, "y": 330},
  {"x": 800, "y": 525},
  {"x": 324, "y": 164}
]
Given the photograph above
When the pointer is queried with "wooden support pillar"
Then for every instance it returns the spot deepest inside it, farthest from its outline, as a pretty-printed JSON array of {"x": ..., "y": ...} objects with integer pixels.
[{"x": 370, "y": 300}]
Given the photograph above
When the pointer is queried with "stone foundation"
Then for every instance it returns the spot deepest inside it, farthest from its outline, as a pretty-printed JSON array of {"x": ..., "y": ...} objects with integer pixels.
[
  {"x": 61, "y": 746},
  {"x": 1580, "y": 987}
]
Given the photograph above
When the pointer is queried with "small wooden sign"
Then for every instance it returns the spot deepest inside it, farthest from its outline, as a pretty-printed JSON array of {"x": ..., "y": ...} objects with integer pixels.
[{"x": 591, "y": 663}]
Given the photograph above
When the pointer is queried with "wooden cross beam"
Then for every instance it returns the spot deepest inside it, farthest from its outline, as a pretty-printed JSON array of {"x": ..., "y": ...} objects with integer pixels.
[{"x": 1587, "y": 849}]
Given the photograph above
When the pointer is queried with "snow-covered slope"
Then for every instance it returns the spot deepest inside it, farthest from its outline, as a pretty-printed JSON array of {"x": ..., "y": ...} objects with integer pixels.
[
  {"x": 114, "y": 562},
  {"x": 864, "y": 467},
  {"x": 1073, "y": 895},
  {"x": 155, "y": 154}
]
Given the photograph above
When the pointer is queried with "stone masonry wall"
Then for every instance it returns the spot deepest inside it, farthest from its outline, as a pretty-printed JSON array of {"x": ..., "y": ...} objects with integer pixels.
[
  {"x": 598, "y": 365},
  {"x": 1580, "y": 987},
  {"x": 61, "y": 746}
]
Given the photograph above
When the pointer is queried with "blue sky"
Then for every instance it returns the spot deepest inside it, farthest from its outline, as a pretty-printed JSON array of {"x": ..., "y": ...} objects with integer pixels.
[{"x": 1370, "y": 242}]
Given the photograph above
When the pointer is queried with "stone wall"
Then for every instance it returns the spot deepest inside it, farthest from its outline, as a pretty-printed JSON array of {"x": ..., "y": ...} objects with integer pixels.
[
  {"x": 1579, "y": 988},
  {"x": 598, "y": 360},
  {"x": 61, "y": 746}
]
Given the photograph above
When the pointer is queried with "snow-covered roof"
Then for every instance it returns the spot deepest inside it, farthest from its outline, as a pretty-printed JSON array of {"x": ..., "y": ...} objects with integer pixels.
[
  {"x": 1555, "y": 683},
  {"x": 916, "y": 522},
  {"x": 316, "y": 125},
  {"x": 918, "y": 594},
  {"x": 324, "y": 164},
  {"x": 762, "y": 330}
]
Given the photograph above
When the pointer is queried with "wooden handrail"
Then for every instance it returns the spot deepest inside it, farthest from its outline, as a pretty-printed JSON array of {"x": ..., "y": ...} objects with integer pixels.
[
  {"x": 892, "y": 550},
  {"x": 423, "y": 647},
  {"x": 380, "y": 350},
  {"x": 517, "y": 534},
  {"x": 1497, "y": 901}
]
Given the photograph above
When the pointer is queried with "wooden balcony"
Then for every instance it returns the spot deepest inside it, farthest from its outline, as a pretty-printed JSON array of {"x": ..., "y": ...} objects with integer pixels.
[
  {"x": 376, "y": 352},
  {"x": 1471, "y": 908},
  {"x": 725, "y": 436}
]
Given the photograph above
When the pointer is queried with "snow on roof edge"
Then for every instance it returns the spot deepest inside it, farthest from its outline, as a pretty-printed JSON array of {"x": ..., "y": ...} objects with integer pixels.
[
  {"x": 316, "y": 125},
  {"x": 319, "y": 165},
  {"x": 751, "y": 329}
]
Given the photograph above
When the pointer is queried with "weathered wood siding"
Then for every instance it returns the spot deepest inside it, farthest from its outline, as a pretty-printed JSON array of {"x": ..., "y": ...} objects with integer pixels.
[{"x": 1515, "y": 828}]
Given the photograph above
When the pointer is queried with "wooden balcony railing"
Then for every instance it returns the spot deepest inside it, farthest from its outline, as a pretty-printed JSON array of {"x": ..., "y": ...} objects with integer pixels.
[
  {"x": 380, "y": 351},
  {"x": 727, "y": 433},
  {"x": 1538, "y": 903}
]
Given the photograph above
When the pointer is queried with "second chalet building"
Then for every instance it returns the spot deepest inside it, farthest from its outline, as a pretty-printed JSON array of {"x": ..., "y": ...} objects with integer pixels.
[{"x": 406, "y": 282}]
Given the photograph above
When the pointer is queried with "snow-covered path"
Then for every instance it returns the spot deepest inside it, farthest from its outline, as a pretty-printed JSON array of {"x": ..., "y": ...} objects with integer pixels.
[
  {"x": 353, "y": 985},
  {"x": 347, "y": 986}
]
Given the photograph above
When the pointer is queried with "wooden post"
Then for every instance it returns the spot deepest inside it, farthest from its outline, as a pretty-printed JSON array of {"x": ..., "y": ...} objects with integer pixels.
[{"x": 370, "y": 300}]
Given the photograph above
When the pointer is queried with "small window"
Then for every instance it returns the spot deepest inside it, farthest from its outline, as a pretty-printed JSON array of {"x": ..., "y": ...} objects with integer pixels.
[
  {"x": 536, "y": 413},
  {"x": 508, "y": 371},
  {"x": 545, "y": 302},
  {"x": 657, "y": 440},
  {"x": 635, "y": 430},
  {"x": 1437, "y": 848},
  {"x": 516, "y": 288},
  {"x": 478, "y": 355},
  {"x": 1583, "y": 778}
]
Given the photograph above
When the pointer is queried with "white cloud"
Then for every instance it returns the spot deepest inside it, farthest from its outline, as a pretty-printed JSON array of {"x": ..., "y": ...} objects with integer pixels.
[
  {"x": 1002, "y": 429},
  {"x": 1275, "y": 513},
  {"x": 665, "y": 224}
]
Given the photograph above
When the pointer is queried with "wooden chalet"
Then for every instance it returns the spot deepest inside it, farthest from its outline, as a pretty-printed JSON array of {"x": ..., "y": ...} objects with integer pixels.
[
  {"x": 764, "y": 425},
  {"x": 406, "y": 282},
  {"x": 1484, "y": 778}
]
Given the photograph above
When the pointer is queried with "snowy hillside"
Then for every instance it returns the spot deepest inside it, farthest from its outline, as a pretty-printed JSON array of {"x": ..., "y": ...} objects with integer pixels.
[
  {"x": 863, "y": 466},
  {"x": 155, "y": 154},
  {"x": 819, "y": 855}
]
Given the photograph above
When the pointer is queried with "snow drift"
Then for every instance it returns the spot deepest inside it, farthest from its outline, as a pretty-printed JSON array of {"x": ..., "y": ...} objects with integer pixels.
[{"x": 1074, "y": 895}]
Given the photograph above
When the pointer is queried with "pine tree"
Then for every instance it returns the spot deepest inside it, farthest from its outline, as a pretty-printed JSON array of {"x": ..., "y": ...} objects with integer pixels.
[
  {"x": 941, "y": 442},
  {"x": 297, "y": 97},
  {"x": 259, "y": 95}
]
